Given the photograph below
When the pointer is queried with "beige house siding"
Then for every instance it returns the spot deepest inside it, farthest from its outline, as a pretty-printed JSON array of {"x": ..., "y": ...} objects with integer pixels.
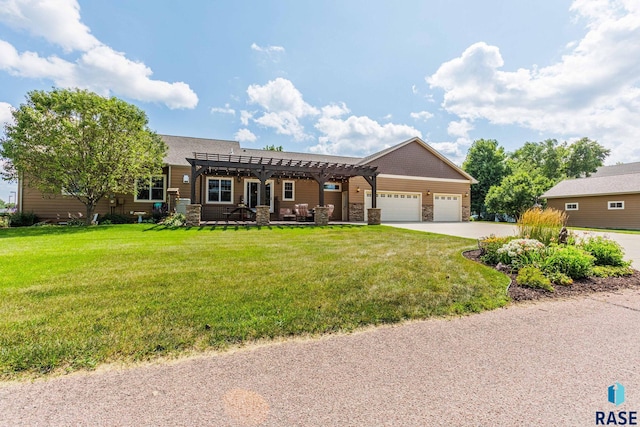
[
  {"x": 426, "y": 187},
  {"x": 593, "y": 211}
]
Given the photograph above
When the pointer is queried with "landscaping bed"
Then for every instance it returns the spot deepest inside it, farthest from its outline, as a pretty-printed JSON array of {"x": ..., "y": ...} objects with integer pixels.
[{"x": 588, "y": 285}]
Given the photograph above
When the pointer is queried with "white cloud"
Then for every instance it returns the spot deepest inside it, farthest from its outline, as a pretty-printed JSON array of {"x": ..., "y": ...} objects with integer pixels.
[
  {"x": 335, "y": 110},
  {"x": 284, "y": 107},
  {"x": 98, "y": 68},
  {"x": 245, "y": 135},
  {"x": 58, "y": 21},
  {"x": 245, "y": 116},
  {"x": 359, "y": 136},
  {"x": 5, "y": 113},
  {"x": 422, "y": 115},
  {"x": 592, "y": 91},
  {"x": 414, "y": 89},
  {"x": 460, "y": 129},
  {"x": 226, "y": 110},
  {"x": 268, "y": 49}
]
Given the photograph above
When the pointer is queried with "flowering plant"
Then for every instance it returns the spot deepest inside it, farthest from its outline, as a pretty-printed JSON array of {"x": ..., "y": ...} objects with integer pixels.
[{"x": 520, "y": 252}]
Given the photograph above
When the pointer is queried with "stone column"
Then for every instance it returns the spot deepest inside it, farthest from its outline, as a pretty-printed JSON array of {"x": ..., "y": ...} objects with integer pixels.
[
  {"x": 374, "y": 216},
  {"x": 263, "y": 217},
  {"x": 194, "y": 214},
  {"x": 322, "y": 215}
]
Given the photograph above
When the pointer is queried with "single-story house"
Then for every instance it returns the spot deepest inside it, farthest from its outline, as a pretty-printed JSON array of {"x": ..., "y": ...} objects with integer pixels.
[
  {"x": 609, "y": 198},
  {"x": 411, "y": 182}
]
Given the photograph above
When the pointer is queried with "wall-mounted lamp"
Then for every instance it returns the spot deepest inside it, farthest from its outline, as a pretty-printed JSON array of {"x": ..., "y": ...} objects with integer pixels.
[
  {"x": 185, "y": 179},
  {"x": 428, "y": 192},
  {"x": 239, "y": 178},
  {"x": 466, "y": 194},
  {"x": 357, "y": 189}
]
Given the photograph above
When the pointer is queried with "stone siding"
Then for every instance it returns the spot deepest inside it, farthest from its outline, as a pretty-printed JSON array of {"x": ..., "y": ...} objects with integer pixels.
[
  {"x": 356, "y": 212},
  {"x": 193, "y": 215}
]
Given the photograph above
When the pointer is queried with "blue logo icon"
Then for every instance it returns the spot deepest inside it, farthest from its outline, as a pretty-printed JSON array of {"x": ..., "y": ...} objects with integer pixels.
[{"x": 616, "y": 394}]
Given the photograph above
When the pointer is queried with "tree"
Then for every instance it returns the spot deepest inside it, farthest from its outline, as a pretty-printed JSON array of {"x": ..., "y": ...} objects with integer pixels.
[
  {"x": 517, "y": 193},
  {"x": 546, "y": 158},
  {"x": 585, "y": 157},
  {"x": 273, "y": 148},
  {"x": 80, "y": 143},
  {"x": 485, "y": 162}
]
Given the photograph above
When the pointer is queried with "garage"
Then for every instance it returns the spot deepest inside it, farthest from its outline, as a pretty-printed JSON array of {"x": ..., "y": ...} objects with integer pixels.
[
  {"x": 447, "y": 207},
  {"x": 396, "y": 206}
]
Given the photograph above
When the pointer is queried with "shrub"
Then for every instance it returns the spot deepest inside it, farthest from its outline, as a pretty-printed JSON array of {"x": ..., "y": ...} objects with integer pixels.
[
  {"x": 489, "y": 248},
  {"x": 605, "y": 251},
  {"x": 569, "y": 260},
  {"x": 5, "y": 221},
  {"x": 559, "y": 278},
  {"x": 542, "y": 225},
  {"x": 23, "y": 219},
  {"x": 115, "y": 219},
  {"x": 612, "y": 271},
  {"x": 521, "y": 252},
  {"x": 175, "y": 220},
  {"x": 534, "y": 278}
]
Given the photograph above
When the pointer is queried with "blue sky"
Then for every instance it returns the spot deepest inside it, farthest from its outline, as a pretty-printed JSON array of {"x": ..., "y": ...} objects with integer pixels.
[{"x": 342, "y": 77}]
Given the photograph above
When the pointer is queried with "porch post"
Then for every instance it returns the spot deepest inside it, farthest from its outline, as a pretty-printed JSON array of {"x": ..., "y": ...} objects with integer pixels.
[{"x": 193, "y": 182}]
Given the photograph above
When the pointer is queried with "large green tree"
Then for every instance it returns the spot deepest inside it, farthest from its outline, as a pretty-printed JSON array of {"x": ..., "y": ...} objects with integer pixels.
[
  {"x": 80, "y": 143},
  {"x": 546, "y": 158},
  {"x": 584, "y": 157},
  {"x": 485, "y": 162},
  {"x": 517, "y": 193}
]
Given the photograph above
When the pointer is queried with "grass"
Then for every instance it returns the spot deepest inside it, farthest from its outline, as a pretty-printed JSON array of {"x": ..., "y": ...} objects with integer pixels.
[{"x": 75, "y": 297}]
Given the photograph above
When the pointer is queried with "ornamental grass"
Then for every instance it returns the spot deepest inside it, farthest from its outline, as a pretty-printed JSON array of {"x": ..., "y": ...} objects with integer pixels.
[{"x": 543, "y": 225}]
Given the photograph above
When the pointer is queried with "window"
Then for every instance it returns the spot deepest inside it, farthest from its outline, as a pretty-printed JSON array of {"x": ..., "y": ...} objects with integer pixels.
[
  {"x": 219, "y": 190},
  {"x": 616, "y": 205},
  {"x": 332, "y": 186},
  {"x": 288, "y": 190},
  {"x": 151, "y": 189},
  {"x": 570, "y": 206}
]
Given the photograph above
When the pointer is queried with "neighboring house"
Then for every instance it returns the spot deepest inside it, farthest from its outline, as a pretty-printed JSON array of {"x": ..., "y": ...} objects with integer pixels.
[
  {"x": 413, "y": 183},
  {"x": 609, "y": 198}
]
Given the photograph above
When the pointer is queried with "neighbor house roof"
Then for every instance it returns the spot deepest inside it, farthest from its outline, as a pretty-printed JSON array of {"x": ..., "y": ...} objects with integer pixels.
[
  {"x": 617, "y": 179},
  {"x": 181, "y": 147}
]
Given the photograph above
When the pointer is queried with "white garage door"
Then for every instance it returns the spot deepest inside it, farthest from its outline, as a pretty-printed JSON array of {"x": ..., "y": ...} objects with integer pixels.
[
  {"x": 447, "y": 207},
  {"x": 397, "y": 206}
]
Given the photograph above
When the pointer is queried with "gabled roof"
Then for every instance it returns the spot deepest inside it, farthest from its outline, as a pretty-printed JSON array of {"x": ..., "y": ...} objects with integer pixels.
[
  {"x": 181, "y": 147},
  {"x": 429, "y": 148},
  {"x": 617, "y": 179}
]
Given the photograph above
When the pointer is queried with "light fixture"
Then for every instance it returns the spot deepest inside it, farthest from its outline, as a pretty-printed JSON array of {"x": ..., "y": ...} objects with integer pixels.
[
  {"x": 428, "y": 192},
  {"x": 185, "y": 179},
  {"x": 466, "y": 194},
  {"x": 357, "y": 189}
]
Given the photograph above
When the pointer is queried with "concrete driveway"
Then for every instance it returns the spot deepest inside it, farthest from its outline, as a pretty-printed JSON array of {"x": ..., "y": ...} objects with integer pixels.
[{"x": 474, "y": 230}]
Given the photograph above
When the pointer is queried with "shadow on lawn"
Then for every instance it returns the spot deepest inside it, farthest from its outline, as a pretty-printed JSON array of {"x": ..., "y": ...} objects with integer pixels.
[
  {"x": 237, "y": 227},
  {"x": 47, "y": 230}
]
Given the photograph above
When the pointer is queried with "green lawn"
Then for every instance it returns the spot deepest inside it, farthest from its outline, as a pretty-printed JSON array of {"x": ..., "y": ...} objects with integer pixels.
[{"x": 74, "y": 297}]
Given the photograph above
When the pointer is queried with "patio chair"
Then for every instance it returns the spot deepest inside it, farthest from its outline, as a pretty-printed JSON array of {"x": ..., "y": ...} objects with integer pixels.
[
  {"x": 302, "y": 212},
  {"x": 286, "y": 214},
  {"x": 331, "y": 208}
]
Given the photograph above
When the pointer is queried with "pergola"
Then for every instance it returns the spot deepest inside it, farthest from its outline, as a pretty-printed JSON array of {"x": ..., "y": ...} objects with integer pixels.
[{"x": 265, "y": 168}]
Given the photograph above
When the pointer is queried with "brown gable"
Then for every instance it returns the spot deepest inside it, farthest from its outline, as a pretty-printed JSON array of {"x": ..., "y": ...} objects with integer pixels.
[{"x": 414, "y": 159}]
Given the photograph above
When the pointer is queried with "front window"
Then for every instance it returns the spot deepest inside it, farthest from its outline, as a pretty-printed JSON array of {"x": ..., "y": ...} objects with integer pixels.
[
  {"x": 570, "y": 206},
  {"x": 151, "y": 189},
  {"x": 288, "y": 190},
  {"x": 616, "y": 205},
  {"x": 332, "y": 186},
  {"x": 219, "y": 190}
]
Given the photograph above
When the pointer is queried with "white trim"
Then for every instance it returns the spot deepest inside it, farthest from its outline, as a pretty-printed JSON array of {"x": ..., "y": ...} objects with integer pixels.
[
  {"x": 615, "y": 208},
  {"x": 368, "y": 193},
  {"x": 439, "y": 196},
  {"x": 423, "y": 178},
  {"x": 270, "y": 182},
  {"x": 164, "y": 190},
  {"x": 567, "y": 208},
  {"x": 219, "y": 178},
  {"x": 293, "y": 191}
]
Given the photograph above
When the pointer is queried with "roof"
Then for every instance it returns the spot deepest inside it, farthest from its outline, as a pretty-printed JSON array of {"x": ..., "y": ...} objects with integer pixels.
[
  {"x": 622, "y": 169},
  {"x": 181, "y": 148},
  {"x": 596, "y": 186}
]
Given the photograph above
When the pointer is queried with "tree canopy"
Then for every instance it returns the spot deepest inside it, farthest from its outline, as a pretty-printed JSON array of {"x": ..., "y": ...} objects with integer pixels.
[
  {"x": 513, "y": 182},
  {"x": 81, "y": 144}
]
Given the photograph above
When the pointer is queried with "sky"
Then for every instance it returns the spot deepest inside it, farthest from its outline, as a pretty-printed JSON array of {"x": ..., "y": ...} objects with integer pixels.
[{"x": 344, "y": 77}]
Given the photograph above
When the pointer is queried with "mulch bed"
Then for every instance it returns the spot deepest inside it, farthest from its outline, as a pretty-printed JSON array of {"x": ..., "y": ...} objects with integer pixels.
[{"x": 579, "y": 287}]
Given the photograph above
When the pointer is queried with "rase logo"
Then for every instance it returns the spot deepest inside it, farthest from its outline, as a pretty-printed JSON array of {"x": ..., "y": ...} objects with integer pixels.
[{"x": 615, "y": 395}]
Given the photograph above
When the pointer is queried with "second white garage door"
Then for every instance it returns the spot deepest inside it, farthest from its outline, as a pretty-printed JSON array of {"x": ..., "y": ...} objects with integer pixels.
[
  {"x": 397, "y": 206},
  {"x": 447, "y": 207}
]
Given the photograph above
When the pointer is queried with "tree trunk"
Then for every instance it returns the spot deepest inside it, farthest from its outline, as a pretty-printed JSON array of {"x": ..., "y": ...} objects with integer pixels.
[{"x": 91, "y": 207}]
